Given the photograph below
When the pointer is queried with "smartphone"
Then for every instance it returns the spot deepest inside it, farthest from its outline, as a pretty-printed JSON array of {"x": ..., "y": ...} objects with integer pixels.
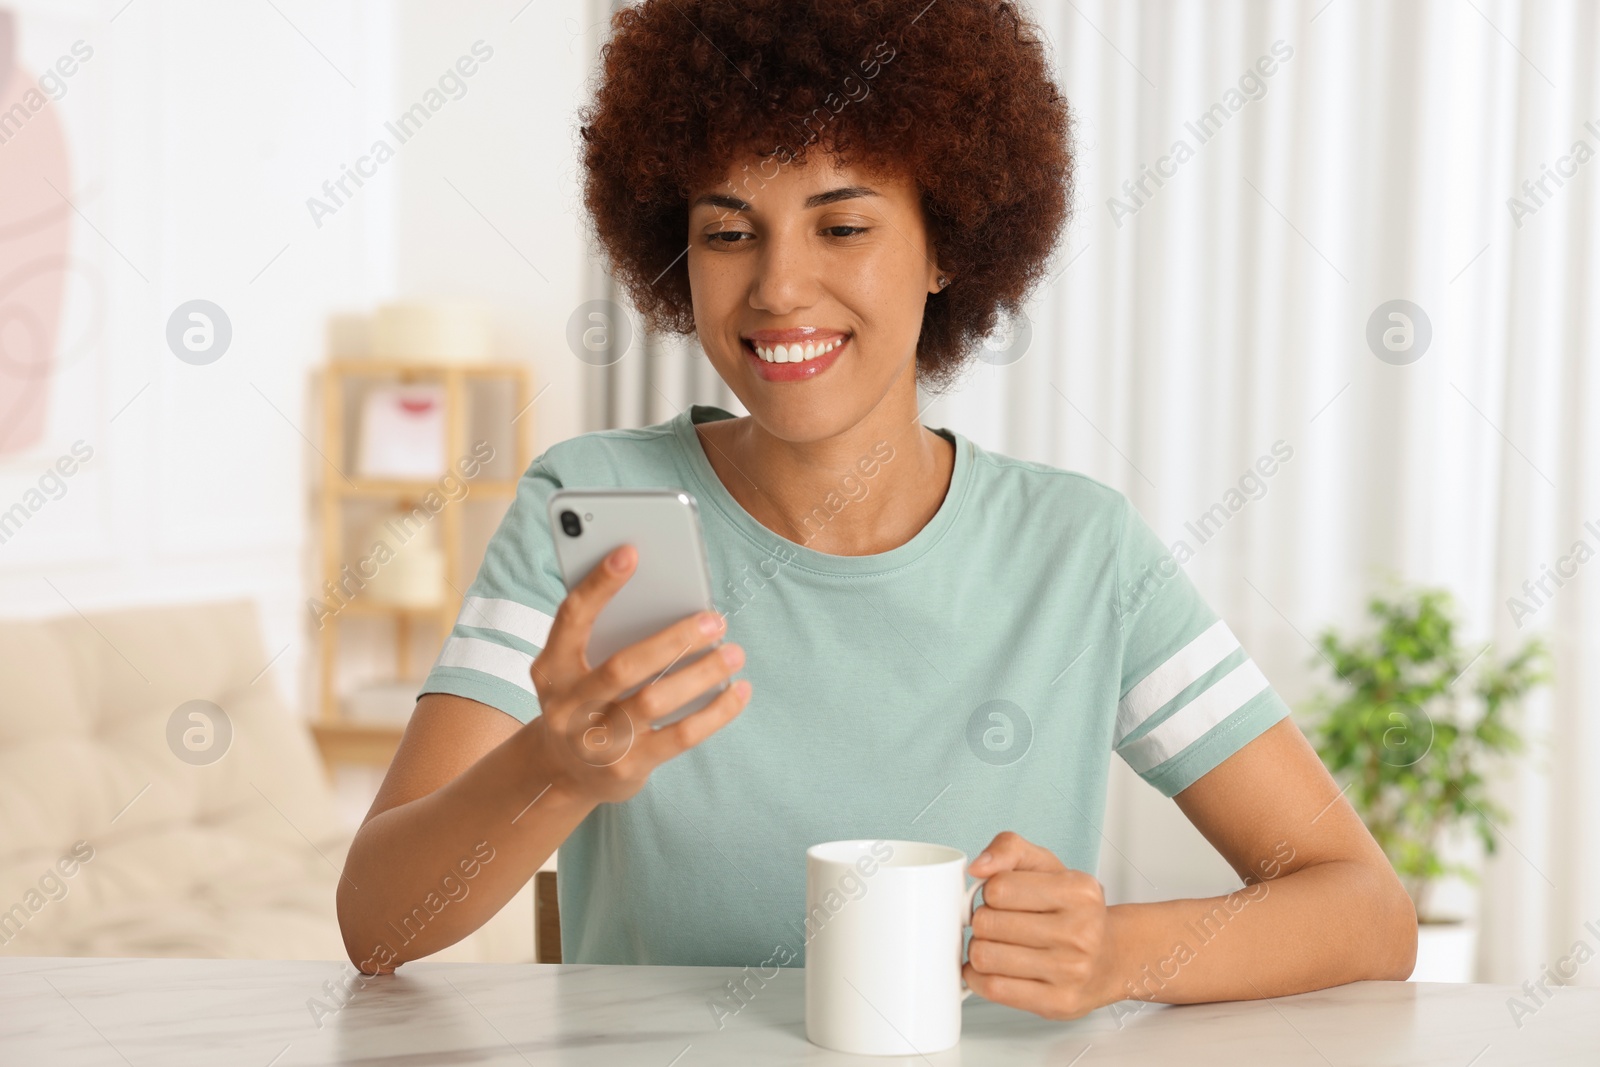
[{"x": 671, "y": 581}]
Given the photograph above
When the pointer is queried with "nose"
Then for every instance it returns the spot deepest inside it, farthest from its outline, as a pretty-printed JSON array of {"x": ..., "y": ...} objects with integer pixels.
[{"x": 786, "y": 275}]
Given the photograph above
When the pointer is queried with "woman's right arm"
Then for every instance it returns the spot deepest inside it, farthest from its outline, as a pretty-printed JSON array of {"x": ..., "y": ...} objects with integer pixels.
[{"x": 468, "y": 781}]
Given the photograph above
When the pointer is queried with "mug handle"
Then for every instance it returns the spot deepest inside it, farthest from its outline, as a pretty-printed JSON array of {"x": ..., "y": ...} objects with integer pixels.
[{"x": 966, "y": 921}]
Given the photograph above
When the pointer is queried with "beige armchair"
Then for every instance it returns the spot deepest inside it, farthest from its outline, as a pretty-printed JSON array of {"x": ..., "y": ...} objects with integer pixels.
[{"x": 127, "y": 830}]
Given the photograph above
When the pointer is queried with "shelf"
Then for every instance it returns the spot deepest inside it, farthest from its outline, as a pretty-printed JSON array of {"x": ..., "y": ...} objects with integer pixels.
[
  {"x": 373, "y": 742},
  {"x": 373, "y": 609},
  {"x": 385, "y": 367},
  {"x": 369, "y": 743},
  {"x": 495, "y": 489}
]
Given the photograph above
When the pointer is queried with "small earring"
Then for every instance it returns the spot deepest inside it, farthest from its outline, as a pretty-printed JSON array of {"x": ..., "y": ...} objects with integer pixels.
[{"x": 943, "y": 281}]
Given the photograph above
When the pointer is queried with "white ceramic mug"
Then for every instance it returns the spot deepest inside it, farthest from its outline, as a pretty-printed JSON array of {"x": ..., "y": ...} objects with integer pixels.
[{"x": 883, "y": 927}]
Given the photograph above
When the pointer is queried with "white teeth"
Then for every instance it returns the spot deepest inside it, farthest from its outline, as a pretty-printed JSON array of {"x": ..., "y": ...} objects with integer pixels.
[{"x": 797, "y": 353}]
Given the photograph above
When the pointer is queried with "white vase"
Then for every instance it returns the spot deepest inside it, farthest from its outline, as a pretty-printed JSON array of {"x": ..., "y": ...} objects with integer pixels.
[
  {"x": 414, "y": 574},
  {"x": 438, "y": 330},
  {"x": 1446, "y": 952}
]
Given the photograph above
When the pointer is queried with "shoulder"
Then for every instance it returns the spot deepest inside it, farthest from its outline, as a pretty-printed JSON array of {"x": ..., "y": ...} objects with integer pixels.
[
  {"x": 1042, "y": 491},
  {"x": 639, "y": 456}
]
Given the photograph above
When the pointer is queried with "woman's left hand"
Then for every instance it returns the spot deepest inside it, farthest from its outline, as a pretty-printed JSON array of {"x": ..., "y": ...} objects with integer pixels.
[{"x": 1040, "y": 942}]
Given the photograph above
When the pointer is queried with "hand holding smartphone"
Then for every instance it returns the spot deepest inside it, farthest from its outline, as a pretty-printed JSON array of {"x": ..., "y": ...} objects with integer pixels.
[{"x": 672, "y": 579}]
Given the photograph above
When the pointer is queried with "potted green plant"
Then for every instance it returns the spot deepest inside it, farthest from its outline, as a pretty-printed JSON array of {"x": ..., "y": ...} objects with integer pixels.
[{"x": 1416, "y": 746}]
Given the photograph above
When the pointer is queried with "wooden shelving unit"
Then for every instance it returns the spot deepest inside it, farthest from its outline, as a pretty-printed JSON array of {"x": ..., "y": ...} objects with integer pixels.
[{"x": 340, "y": 739}]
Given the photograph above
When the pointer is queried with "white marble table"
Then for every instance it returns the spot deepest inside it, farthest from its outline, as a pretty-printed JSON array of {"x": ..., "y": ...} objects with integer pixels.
[{"x": 167, "y": 1013}]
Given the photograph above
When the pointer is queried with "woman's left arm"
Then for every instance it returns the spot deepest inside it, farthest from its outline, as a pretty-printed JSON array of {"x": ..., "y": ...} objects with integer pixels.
[{"x": 1321, "y": 905}]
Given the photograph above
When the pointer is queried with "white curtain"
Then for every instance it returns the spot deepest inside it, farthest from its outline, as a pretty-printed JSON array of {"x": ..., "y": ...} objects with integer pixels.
[
  {"x": 1206, "y": 318},
  {"x": 1230, "y": 311}
]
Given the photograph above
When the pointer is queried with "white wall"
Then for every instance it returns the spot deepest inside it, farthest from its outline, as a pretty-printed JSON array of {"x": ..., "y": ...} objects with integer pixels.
[
  {"x": 488, "y": 204},
  {"x": 198, "y": 133}
]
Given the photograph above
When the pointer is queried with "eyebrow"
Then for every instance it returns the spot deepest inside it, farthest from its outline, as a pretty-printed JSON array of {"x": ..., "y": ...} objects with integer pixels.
[{"x": 832, "y": 196}]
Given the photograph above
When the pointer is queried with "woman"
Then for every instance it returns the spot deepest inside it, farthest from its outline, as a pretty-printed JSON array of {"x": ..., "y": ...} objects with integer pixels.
[{"x": 941, "y": 643}]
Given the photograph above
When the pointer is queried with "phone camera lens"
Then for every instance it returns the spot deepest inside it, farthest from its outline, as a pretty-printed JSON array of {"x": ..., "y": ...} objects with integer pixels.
[{"x": 570, "y": 524}]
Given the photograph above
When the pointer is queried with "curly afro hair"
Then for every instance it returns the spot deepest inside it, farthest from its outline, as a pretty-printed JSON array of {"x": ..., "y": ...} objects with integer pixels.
[{"x": 957, "y": 93}]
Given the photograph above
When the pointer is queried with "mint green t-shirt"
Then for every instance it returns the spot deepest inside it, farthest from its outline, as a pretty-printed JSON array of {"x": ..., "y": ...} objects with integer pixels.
[{"x": 975, "y": 679}]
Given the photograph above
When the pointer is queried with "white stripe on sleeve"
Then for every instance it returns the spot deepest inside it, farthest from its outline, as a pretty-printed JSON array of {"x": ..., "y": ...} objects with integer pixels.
[
  {"x": 1181, "y": 670},
  {"x": 486, "y": 657},
  {"x": 507, "y": 616},
  {"x": 1189, "y": 723}
]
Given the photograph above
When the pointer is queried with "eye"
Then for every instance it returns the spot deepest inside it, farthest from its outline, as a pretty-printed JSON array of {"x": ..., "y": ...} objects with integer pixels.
[
  {"x": 848, "y": 231},
  {"x": 726, "y": 238}
]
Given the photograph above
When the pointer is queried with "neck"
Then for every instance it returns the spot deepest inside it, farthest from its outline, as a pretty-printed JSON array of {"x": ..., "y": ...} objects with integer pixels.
[{"x": 863, "y": 491}]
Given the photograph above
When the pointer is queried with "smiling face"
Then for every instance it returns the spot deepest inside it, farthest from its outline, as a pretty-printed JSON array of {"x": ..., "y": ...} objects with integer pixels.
[{"x": 809, "y": 289}]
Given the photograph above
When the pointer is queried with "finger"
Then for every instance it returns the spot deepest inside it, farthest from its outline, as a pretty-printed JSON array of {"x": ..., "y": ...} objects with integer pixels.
[
  {"x": 1016, "y": 961},
  {"x": 539, "y": 671},
  {"x": 647, "y": 661},
  {"x": 689, "y": 731},
  {"x": 1013, "y": 852},
  {"x": 569, "y": 631},
  {"x": 671, "y": 691},
  {"x": 1030, "y": 928},
  {"x": 1028, "y": 994},
  {"x": 1027, "y": 891}
]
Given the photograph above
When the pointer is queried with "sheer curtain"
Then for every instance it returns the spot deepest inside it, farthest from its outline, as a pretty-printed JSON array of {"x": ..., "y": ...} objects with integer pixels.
[
  {"x": 1224, "y": 299},
  {"x": 1197, "y": 323}
]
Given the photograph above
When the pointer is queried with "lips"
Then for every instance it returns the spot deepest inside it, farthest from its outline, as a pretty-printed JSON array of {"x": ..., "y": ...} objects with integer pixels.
[
  {"x": 796, "y": 351},
  {"x": 793, "y": 355}
]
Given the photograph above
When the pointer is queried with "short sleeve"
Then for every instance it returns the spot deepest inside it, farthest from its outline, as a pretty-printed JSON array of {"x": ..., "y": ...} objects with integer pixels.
[
  {"x": 507, "y": 612},
  {"x": 1190, "y": 694}
]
